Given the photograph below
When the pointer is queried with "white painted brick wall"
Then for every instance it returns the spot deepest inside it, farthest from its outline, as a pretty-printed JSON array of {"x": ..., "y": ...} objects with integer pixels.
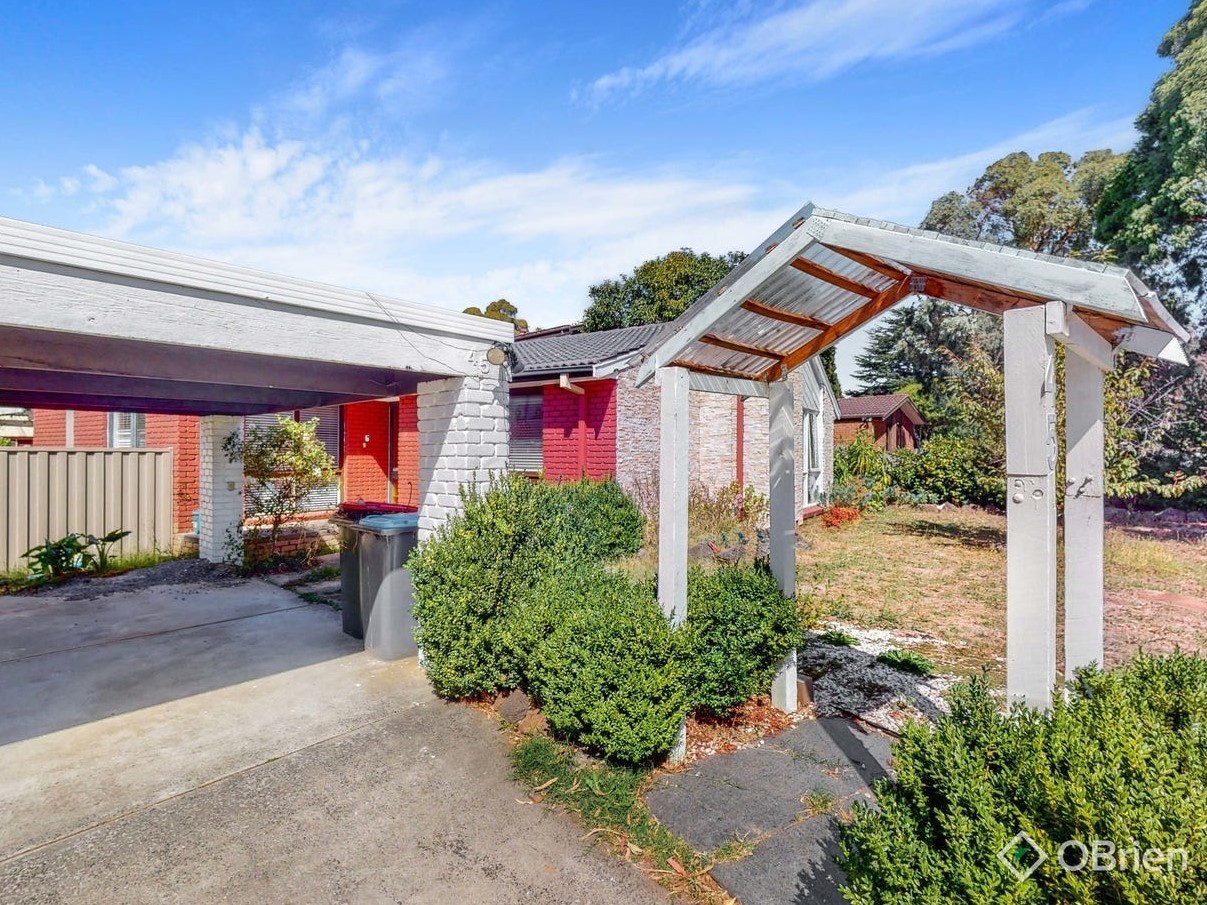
[
  {"x": 221, "y": 489},
  {"x": 463, "y": 440}
]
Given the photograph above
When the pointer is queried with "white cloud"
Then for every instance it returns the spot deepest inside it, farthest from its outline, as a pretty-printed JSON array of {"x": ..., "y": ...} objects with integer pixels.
[
  {"x": 444, "y": 231},
  {"x": 816, "y": 40}
]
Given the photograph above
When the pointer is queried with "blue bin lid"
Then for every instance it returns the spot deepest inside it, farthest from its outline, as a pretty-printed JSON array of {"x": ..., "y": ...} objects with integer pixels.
[{"x": 393, "y": 521}]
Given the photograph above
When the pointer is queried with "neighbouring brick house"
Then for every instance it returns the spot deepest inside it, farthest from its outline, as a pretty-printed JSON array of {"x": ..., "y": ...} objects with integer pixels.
[
  {"x": 892, "y": 419},
  {"x": 575, "y": 410}
]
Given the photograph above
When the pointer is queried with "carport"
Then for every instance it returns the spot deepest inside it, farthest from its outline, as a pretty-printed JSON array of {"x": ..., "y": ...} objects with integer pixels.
[
  {"x": 90, "y": 323},
  {"x": 822, "y": 275}
]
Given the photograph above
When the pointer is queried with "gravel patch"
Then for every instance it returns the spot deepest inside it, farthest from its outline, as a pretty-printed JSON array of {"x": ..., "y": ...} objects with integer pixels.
[
  {"x": 850, "y": 682},
  {"x": 172, "y": 572}
]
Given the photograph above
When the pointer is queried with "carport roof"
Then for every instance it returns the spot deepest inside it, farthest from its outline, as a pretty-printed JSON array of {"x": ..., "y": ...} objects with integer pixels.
[
  {"x": 92, "y": 323},
  {"x": 824, "y": 274}
]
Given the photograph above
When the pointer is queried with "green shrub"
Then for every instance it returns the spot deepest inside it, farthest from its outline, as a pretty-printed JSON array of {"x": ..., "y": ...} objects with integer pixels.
[
  {"x": 471, "y": 575},
  {"x": 739, "y": 627},
  {"x": 605, "y": 673},
  {"x": 470, "y": 578},
  {"x": 1124, "y": 760},
  {"x": 599, "y": 518},
  {"x": 908, "y": 661},
  {"x": 948, "y": 469}
]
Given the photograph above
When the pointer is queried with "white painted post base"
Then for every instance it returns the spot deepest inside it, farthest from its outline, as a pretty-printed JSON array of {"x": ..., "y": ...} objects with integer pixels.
[
  {"x": 782, "y": 498},
  {"x": 783, "y": 686},
  {"x": 1030, "y": 509},
  {"x": 220, "y": 492}
]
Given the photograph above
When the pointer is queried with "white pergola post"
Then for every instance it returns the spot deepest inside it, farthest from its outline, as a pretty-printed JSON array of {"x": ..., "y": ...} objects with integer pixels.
[
  {"x": 1083, "y": 520},
  {"x": 781, "y": 433},
  {"x": 673, "y": 486},
  {"x": 220, "y": 492},
  {"x": 1030, "y": 508}
]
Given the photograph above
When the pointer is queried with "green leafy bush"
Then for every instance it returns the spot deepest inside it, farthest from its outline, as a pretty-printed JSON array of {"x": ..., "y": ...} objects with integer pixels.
[
  {"x": 470, "y": 578},
  {"x": 948, "y": 469},
  {"x": 739, "y": 627},
  {"x": 599, "y": 518},
  {"x": 1123, "y": 761},
  {"x": 606, "y": 672}
]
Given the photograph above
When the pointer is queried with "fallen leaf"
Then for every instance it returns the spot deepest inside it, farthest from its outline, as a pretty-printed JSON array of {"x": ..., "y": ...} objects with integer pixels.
[
  {"x": 543, "y": 786},
  {"x": 677, "y": 867}
]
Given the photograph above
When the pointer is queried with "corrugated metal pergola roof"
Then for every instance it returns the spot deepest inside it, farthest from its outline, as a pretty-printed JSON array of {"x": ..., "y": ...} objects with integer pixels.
[{"x": 824, "y": 273}]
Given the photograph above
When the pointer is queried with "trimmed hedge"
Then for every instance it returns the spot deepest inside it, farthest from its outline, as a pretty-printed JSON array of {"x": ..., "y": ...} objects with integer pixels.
[
  {"x": 480, "y": 565},
  {"x": 606, "y": 672},
  {"x": 469, "y": 577},
  {"x": 739, "y": 627},
  {"x": 1124, "y": 761}
]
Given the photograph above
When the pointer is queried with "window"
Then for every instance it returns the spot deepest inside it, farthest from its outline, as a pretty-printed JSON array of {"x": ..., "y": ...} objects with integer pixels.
[
  {"x": 127, "y": 430},
  {"x": 811, "y": 472},
  {"x": 328, "y": 431},
  {"x": 527, "y": 422}
]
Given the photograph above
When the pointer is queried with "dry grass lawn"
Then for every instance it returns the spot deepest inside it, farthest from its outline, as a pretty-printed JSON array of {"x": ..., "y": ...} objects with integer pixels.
[{"x": 943, "y": 573}]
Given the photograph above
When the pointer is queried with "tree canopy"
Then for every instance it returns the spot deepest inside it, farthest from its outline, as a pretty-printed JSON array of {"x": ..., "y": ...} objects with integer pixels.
[
  {"x": 657, "y": 290},
  {"x": 1154, "y": 210},
  {"x": 501, "y": 310}
]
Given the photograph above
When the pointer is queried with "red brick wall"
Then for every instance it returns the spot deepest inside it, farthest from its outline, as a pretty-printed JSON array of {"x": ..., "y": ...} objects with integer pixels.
[
  {"x": 91, "y": 430},
  {"x": 366, "y": 462},
  {"x": 407, "y": 486},
  {"x": 50, "y": 427},
  {"x": 568, "y": 451},
  {"x": 179, "y": 433}
]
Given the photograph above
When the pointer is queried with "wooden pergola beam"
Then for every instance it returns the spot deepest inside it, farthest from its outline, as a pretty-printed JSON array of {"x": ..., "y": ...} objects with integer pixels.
[
  {"x": 870, "y": 262},
  {"x": 717, "y": 372},
  {"x": 733, "y": 346},
  {"x": 788, "y": 317},
  {"x": 852, "y": 321},
  {"x": 826, "y": 275}
]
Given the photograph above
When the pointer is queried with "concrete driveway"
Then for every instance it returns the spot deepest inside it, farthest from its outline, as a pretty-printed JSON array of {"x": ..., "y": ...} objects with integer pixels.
[{"x": 222, "y": 741}]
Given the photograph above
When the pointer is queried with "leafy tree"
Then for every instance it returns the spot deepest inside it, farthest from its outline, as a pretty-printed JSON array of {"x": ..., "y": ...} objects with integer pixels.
[
  {"x": 282, "y": 465},
  {"x": 1154, "y": 210},
  {"x": 656, "y": 291},
  {"x": 501, "y": 310}
]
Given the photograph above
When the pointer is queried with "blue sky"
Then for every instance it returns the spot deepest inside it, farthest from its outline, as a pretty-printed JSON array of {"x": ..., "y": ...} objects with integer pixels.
[{"x": 455, "y": 153}]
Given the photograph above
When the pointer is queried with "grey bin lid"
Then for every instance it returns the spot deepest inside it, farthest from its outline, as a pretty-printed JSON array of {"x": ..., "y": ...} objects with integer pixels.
[{"x": 391, "y": 523}]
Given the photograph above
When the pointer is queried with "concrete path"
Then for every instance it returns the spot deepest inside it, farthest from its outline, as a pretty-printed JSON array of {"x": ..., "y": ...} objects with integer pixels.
[
  {"x": 227, "y": 743},
  {"x": 780, "y": 798}
]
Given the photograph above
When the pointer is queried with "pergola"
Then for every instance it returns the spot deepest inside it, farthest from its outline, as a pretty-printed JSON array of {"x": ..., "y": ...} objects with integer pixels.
[
  {"x": 822, "y": 275},
  {"x": 90, "y": 323}
]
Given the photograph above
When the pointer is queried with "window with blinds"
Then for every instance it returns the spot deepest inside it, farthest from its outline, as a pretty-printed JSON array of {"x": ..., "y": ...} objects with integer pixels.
[
  {"x": 527, "y": 422},
  {"x": 127, "y": 430},
  {"x": 327, "y": 497}
]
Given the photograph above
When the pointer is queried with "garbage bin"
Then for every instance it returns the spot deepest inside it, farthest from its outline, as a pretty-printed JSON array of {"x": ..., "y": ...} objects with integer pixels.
[{"x": 375, "y": 542}]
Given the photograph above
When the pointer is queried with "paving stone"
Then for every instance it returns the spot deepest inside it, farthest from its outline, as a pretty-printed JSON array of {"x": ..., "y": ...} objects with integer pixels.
[
  {"x": 794, "y": 867},
  {"x": 762, "y": 789}
]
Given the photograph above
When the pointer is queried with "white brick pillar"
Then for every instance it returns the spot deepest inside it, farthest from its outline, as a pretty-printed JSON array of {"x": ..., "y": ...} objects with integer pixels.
[
  {"x": 463, "y": 439},
  {"x": 221, "y": 490}
]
